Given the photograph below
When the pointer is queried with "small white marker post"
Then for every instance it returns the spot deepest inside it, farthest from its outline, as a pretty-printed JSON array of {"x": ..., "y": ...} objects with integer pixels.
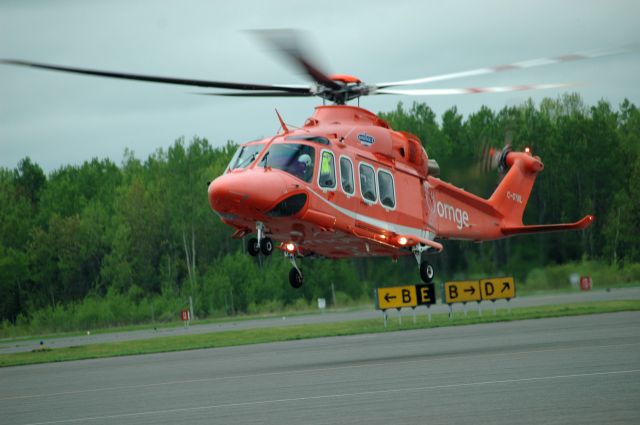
[
  {"x": 451, "y": 311},
  {"x": 414, "y": 315},
  {"x": 384, "y": 315},
  {"x": 399, "y": 317},
  {"x": 509, "y": 306},
  {"x": 494, "y": 306},
  {"x": 465, "y": 309},
  {"x": 429, "y": 312},
  {"x": 479, "y": 310}
]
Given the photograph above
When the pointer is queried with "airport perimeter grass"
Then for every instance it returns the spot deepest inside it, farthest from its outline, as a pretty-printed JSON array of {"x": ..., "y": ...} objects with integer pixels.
[{"x": 276, "y": 334}]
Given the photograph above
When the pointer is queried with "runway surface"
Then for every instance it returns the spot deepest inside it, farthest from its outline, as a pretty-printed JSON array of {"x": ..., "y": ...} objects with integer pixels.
[
  {"x": 10, "y": 346},
  {"x": 582, "y": 370}
]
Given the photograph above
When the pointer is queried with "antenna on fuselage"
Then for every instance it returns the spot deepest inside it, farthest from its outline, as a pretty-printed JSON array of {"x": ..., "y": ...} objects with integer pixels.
[{"x": 282, "y": 124}]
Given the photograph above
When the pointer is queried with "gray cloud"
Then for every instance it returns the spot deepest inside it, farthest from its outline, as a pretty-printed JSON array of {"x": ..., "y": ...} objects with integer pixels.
[{"x": 58, "y": 119}]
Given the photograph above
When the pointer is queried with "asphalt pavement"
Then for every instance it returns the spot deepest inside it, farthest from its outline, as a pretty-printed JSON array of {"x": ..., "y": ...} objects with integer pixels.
[{"x": 577, "y": 370}]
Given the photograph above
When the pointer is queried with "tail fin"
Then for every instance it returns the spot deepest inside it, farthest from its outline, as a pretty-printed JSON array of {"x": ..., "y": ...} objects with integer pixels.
[{"x": 511, "y": 196}]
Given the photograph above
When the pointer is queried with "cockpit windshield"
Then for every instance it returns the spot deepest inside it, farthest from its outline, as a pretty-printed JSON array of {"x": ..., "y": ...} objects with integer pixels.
[
  {"x": 295, "y": 159},
  {"x": 245, "y": 155}
]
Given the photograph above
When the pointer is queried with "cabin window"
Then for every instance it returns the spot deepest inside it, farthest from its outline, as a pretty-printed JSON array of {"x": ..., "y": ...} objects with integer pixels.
[
  {"x": 346, "y": 176},
  {"x": 386, "y": 189},
  {"x": 294, "y": 159},
  {"x": 367, "y": 182},
  {"x": 327, "y": 177},
  {"x": 245, "y": 155}
]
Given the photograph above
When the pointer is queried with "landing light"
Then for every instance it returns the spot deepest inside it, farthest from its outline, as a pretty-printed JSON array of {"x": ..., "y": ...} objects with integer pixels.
[
  {"x": 290, "y": 247},
  {"x": 527, "y": 150},
  {"x": 402, "y": 240}
]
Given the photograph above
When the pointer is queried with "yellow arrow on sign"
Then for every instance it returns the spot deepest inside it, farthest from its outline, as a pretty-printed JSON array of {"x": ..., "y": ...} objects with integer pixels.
[
  {"x": 397, "y": 297},
  {"x": 498, "y": 288},
  {"x": 461, "y": 291}
]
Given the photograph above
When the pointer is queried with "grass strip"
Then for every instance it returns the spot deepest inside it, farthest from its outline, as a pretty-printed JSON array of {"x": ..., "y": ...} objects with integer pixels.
[{"x": 277, "y": 334}]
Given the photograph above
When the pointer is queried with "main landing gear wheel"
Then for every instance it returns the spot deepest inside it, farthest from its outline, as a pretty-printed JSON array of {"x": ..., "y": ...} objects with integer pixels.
[
  {"x": 296, "y": 278},
  {"x": 266, "y": 246},
  {"x": 253, "y": 247},
  {"x": 426, "y": 272}
]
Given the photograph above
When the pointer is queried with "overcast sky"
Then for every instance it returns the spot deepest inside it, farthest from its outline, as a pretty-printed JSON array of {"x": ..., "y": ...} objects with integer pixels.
[{"x": 59, "y": 119}]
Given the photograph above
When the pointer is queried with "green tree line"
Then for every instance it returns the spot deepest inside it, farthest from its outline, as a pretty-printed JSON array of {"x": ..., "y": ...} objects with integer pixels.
[{"x": 131, "y": 242}]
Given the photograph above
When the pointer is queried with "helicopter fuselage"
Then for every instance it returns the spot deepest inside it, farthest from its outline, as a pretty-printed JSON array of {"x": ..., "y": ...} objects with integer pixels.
[{"x": 363, "y": 191}]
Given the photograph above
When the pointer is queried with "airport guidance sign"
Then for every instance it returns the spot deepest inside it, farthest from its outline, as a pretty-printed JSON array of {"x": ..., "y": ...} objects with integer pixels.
[
  {"x": 462, "y": 291},
  {"x": 405, "y": 296},
  {"x": 397, "y": 297},
  {"x": 498, "y": 288},
  {"x": 479, "y": 290},
  {"x": 426, "y": 294}
]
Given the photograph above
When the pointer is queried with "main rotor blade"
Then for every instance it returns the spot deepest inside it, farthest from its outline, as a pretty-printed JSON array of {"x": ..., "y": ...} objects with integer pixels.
[
  {"x": 288, "y": 42},
  {"x": 469, "y": 90},
  {"x": 512, "y": 66},
  {"x": 259, "y": 94},
  {"x": 155, "y": 79}
]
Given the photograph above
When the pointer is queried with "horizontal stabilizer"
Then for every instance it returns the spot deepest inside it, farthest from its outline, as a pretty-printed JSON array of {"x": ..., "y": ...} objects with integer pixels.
[{"x": 544, "y": 228}]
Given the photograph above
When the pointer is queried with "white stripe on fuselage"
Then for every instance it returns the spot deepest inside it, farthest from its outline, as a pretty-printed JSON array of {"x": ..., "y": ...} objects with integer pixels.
[{"x": 392, "y": 227}]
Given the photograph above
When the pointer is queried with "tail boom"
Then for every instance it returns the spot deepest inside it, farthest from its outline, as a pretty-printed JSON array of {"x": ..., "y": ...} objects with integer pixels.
[{"x": 456, "y": 214}]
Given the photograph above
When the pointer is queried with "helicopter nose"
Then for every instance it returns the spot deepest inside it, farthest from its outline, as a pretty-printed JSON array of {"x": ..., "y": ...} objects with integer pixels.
[{"x": 245, "y": 193}]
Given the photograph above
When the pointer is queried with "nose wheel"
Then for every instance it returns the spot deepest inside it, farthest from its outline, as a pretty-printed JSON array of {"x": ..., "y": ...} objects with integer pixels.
[
  {"x": 253, "y": 247},
  {"x": 266, "y": 247}
]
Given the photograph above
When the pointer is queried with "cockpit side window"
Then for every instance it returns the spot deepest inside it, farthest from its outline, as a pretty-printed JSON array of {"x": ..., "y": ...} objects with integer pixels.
[
  {"x": 327, "y": 177},
  {"x": 295, "y": 159},
  {"x": 245, "y": 155}
]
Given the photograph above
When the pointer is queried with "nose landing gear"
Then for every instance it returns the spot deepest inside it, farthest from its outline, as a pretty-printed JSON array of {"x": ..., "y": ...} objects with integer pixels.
[{"x": 261, "y": 243}]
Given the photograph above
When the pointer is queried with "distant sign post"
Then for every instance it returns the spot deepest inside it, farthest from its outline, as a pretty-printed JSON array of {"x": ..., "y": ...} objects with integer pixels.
[
  {"x": 585, "y": 283},
  {"x": 185, "y": 316}
]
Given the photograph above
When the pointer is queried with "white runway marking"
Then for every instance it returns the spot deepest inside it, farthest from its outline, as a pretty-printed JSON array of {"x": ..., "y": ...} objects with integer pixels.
[
  {"x": 335, "y": 396},
  {"x": 291, "y": 372}
]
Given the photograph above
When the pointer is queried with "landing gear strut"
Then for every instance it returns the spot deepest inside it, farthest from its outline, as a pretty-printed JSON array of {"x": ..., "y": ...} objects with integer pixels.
[
  {"x": 426, "y": 269},
  {"x": 261, "y": 243},
  {"x": 296, "y": 278}
]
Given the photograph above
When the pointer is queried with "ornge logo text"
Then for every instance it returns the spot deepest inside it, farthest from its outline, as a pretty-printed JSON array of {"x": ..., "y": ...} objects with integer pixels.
[{"x": 448, "y": 212}]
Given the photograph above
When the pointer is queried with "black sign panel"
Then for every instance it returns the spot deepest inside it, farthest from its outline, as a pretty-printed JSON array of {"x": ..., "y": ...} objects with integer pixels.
[{"x": 426, "y": 294}]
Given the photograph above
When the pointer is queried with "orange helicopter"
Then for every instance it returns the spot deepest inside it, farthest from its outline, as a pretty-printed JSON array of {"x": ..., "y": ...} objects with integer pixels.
[{"x": 348, "y": 185}]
